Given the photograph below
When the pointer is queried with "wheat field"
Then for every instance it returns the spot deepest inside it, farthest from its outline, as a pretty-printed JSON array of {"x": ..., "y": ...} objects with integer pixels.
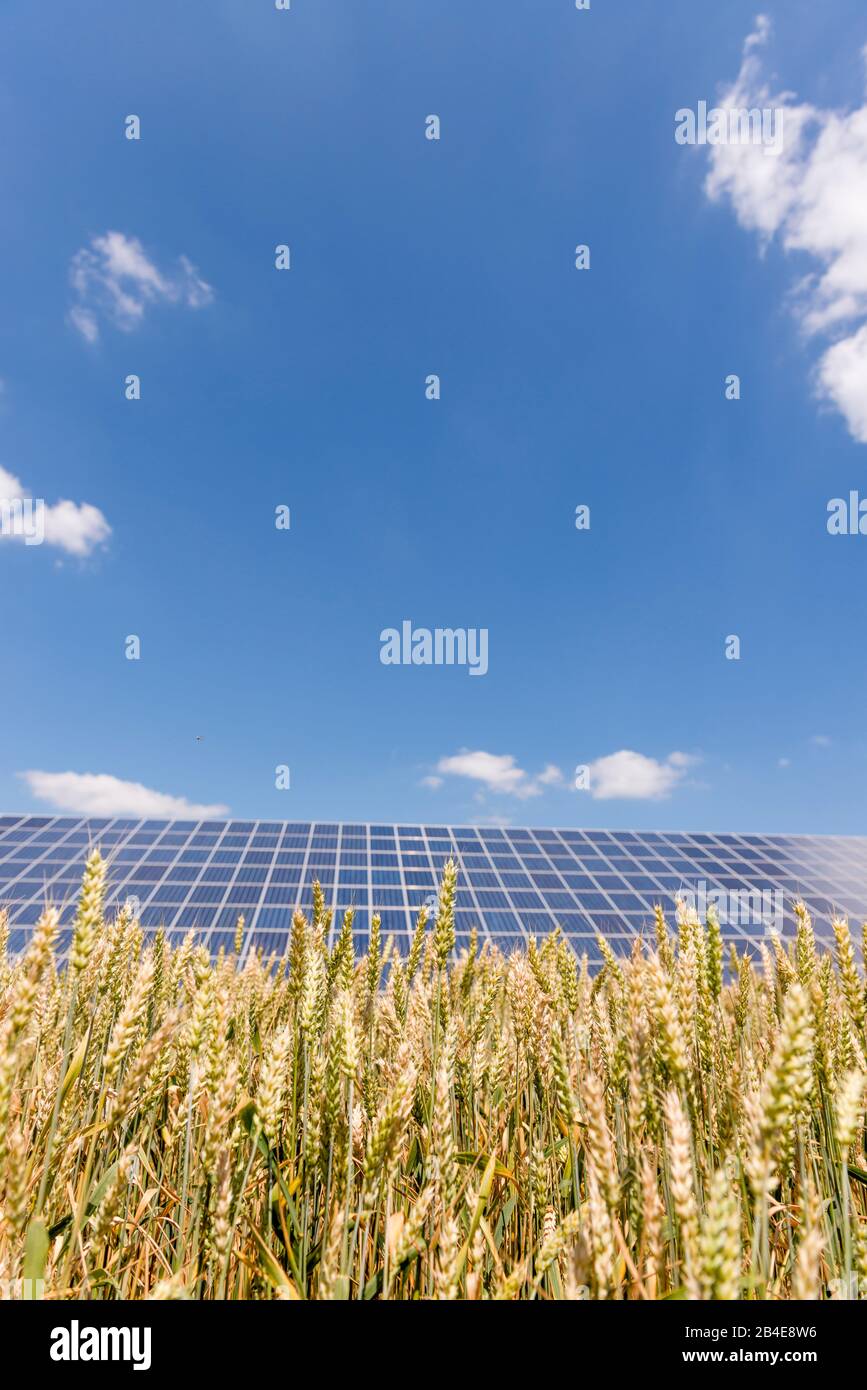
[{"x": 434, "y": 1125}]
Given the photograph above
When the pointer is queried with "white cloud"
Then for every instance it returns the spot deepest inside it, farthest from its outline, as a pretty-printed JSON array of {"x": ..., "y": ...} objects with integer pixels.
[
  {"x": 85, "y": 322},
  {"x": 113, "y": 278},
  {"x": 99, "y": 794},
  {"x": 821, "y": 740},
  {"x": 633, "y": 776},
  {"x": 625, "y": 774},
  {"x": 76, "y": 527},
  {"x": 432, "y": 782},
  {"x": 842, "y": 376},
  {"x": 498, "y": 772},
  {"x": 550, "y": 776},
  {"x": 813, "y": 195}
]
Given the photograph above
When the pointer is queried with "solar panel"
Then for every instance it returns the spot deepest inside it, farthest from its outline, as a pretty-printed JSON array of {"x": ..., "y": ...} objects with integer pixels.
[{"x": 512, "y": 881}]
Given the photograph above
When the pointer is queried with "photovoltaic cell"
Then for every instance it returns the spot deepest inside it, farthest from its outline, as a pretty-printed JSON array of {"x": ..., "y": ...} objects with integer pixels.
[{"x": 512, "y": 881}]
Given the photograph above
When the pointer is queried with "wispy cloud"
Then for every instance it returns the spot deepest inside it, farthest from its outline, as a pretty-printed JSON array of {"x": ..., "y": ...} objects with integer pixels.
[
  {"x": 100, "y": 794},
  {"x": 550, "y": 776},
  {"x": 813, "y": 195},
  {"x": 631, "y": 776},
  {"x": 495, "y": 772},
  {"x": 76, "y": 527},
  {"x": 821, "y": 740},
  {"x": 114, "y": 279}
]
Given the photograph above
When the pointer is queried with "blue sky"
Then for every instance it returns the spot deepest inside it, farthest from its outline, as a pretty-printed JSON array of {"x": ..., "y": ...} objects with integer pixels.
[{"x": 260, "y": 647}]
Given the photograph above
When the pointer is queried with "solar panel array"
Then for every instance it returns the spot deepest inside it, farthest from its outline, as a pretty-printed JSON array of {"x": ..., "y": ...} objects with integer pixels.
[{"x": 203, "y": 874}]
